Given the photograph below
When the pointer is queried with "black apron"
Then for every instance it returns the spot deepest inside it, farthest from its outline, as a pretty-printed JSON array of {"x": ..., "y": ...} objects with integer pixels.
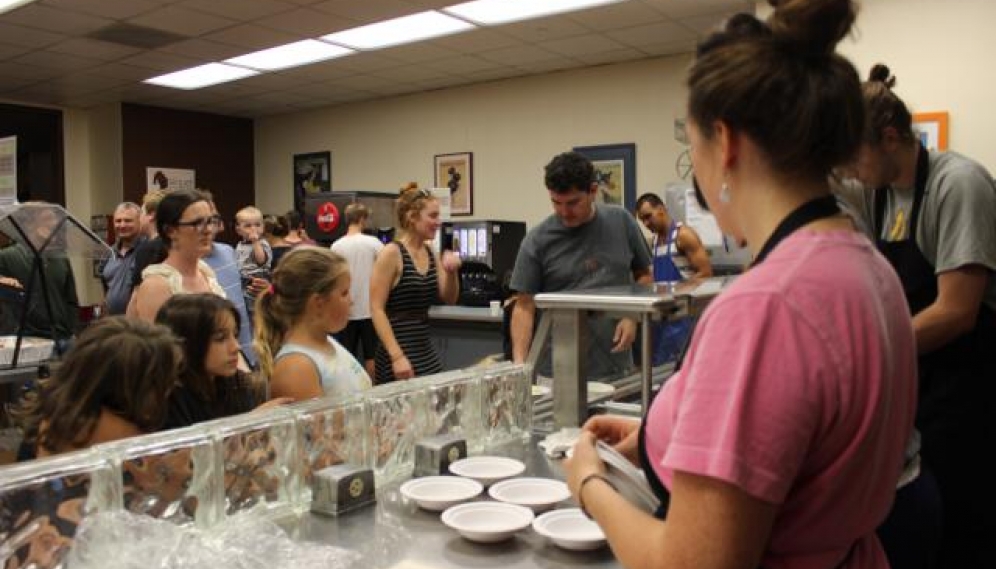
[
  {"x": 813, "y": 210},
  {"x": 956, "y": 397}
]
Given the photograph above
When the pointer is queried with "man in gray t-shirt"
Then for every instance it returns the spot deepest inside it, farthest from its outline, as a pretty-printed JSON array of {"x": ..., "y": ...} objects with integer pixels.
[{"x": 580, "y": 246}]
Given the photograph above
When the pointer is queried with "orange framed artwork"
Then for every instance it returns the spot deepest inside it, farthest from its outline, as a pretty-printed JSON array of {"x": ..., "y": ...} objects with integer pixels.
[{"x": 932, "y": 129}]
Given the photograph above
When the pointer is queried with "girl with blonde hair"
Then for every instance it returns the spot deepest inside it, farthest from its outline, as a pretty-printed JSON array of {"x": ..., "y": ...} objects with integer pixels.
[{"x": 308, "y": 300}]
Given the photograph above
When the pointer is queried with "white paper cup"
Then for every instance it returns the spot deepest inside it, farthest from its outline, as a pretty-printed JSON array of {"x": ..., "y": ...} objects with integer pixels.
[{"x": 495, "y": 308}]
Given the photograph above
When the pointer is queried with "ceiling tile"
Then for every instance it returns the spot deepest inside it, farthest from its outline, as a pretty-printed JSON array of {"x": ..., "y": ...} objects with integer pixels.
[
  {"x": 365, "y": 83},
  {"x": 252, "y": 37},
  {"x": 549, "y": 65},
  {"x": 367, "y": 62},
  {"x": 307, "y": 22},
  {"x": 419, "y": 52},
  {"x": 55, "y": 20},
  {"x": 322, "y": 71},
  {"x": 663, "y": 32},
  {"x": 122, "y": 71},
  {"x": 203, "y": 49},
  {"x": 141, "y": 92},
  {"x": 621, "y": 15},
  {"x": 476, "y": 41},
  {"x": 685, "y": 8},
  {"x": 669, "y": 48},
  {"x": 182, "y": 21},
  {"x": 626, "y": 54},
  {"x": 305, "y": 2},
  {"x": 87, "y": 82},
  {"x": 27, "y": 37},
  {"x": 95, "y": 49},
  {"x": 431, "y": 4},
  {"x": 582, "y": 45},
  {"x": 114, "y": 9},
  {"x": 244, "y": 10},
  {"x": 463, "y": 64},
  {"x": 494, "y": 74},
  {"x": 364, "y": 12},
  {"x": 10, "y": 83},
  {"x": 8, "y": 51},
  {"x": 56, "y": 61},
  {"x": 161, "y": 61},
  {"x": 410, "y": 74},
  {"x": 705, "y": 24},
  {"x": 518, "y": 55},
  {"x": 544, "y": 29},
  {"x": 25, "y": 71},
  {"x": 440, "y": 83},
  {"x": 274, "y": 81}
]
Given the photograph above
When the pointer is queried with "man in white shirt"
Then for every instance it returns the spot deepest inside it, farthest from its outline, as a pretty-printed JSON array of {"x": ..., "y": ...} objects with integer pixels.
[{"x": 359, "y": 250}]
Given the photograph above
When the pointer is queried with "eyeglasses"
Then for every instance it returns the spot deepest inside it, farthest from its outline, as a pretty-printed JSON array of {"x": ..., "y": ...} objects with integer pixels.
[{"x": 202, "y": 223}]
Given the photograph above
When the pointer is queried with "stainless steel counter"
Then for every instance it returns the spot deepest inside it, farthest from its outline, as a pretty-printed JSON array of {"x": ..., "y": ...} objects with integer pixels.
[
  {"x": 464, "y": 313},
  {"x": 392, "y": 532}
]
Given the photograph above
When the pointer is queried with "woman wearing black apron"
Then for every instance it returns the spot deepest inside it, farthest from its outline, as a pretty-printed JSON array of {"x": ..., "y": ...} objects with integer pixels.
[
  {"x": 780, "y": 441},
  {"x": 933, "y": 215}
]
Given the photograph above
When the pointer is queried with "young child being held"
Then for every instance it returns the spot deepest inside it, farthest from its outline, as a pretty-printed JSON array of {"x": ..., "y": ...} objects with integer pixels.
[
  {"x": 253, "y": 253},
  {"x": 309, "y": 300}
]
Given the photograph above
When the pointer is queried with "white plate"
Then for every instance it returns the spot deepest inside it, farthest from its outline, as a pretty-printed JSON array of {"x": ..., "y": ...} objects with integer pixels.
[
  {"x": 487, "y": 469},
  {"x": 436, "y": 493},
  {"x": 629, "y": 480},
  {"x": 537, "y": 494},
  {"x": 570, "y": 529},
  {"x": 487, "y": 522}
]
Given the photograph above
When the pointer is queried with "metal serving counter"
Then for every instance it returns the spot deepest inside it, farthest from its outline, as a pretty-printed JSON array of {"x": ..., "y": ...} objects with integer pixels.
[
  {"x": 395, "y": 533},
  {"x": 564, "y": 315}
]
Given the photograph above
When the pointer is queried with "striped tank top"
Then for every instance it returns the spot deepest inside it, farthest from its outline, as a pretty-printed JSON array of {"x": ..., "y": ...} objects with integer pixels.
[{"x": 407, "y": 309}]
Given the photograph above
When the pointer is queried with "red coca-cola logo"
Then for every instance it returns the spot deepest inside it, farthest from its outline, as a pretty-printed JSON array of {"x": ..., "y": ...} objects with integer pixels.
[{"x": 327, "y": 217}]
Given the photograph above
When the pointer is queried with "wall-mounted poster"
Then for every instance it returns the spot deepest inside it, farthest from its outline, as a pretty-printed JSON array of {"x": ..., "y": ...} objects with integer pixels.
[
  {"x": 932, "y": 129},
  {"x": 615, "y": 172},
  {"x": 8, "y": 170},
  {"x": 456, "y": 172},
  {"x": 170, "y": 179},
  {"x": 312, "y": 175}
]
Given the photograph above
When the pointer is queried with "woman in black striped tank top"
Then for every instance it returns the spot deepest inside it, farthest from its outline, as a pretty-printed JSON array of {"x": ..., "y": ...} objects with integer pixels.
[{"x": 407, "y": 279}]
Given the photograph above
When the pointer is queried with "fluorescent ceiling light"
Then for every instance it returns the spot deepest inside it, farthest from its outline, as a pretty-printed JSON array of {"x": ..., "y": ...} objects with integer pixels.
[
  {"x": 405, "y": 29},
  {"x": 7, "y": 5},
  {"x": 290, "y": 55},
  {"x": 202, "y": 76},
  {"x": 493, "y": 12}
]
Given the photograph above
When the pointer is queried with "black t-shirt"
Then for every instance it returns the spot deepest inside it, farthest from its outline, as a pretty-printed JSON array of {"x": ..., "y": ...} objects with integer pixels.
[
  {"x": 149, "y": 252},
  {"x": 234, "y": 395}
]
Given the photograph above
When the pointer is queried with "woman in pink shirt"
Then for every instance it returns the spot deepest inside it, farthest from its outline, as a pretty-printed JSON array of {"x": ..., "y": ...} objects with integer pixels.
[{"x": 781, "y": 441}]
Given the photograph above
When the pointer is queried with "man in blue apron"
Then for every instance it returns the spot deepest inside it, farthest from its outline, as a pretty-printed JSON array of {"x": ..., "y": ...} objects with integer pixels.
[{"x": 678, "y": 254}]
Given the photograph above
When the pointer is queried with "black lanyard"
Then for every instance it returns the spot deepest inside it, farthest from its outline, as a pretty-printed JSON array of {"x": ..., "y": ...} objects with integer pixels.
[{"x": 805, "y": 214}]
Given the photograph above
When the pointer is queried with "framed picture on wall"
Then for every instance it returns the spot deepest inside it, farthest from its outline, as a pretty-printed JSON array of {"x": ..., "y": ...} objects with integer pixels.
[
  {"x": 932, "y": 129},
  {"x": 312, "y": 175},
  {"x": 456, "y": 172},
  {"x": 615, "y": 172}
]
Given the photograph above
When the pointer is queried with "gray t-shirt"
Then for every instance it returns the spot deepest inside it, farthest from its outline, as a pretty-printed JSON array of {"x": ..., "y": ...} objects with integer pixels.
[
  {"x": 603, "y": 252},
  {"x": 957, "y": 225}
]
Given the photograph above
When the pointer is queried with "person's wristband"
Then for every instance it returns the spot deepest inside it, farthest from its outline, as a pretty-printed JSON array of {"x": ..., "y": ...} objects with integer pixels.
[{"x": 586, "y": 480}]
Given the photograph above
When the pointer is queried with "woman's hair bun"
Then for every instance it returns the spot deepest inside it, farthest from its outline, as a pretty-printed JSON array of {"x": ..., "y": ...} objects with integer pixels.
[
  {"x": 814, "y": 27},
  {"x": 409, "y": 186},
  {"x": 880, "y": 74}
]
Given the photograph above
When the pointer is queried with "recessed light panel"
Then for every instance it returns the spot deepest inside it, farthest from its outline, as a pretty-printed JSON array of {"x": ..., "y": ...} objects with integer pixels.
[
  {"x": 494, "y": 12},
  {"x": 397, "y": 31},
  {"x": 290, "y": 55},
  {"x": 202, "y": 76}
]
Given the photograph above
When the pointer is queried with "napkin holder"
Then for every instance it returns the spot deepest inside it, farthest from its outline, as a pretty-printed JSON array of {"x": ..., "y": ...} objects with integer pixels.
[
  {"x": 434, "y": 455},
  {"x": 342, "y": 488}
]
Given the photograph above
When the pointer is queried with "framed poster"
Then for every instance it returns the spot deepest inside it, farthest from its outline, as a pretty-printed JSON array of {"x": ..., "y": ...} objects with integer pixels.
[
  {"x": 312, "y": 175},
  {"x": 456, "y": 172},
  {"x": 615, "y": 172},
  {"x": 170, "y": 179},
  {"x": 932, "y": 129}
]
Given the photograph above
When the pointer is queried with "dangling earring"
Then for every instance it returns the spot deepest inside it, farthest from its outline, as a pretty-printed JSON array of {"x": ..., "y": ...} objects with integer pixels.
[{"x": 724, "y": 193}]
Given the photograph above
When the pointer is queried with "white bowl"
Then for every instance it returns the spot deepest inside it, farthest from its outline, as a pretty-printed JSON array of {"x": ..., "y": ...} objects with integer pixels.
[
  {"x": 487, "y": 469},
  {"x": 436, "y": 493},
  {"x": 487, "y": 522},
  {"x": 537, "y": 494},
  {"x": 570, "y": 529}
]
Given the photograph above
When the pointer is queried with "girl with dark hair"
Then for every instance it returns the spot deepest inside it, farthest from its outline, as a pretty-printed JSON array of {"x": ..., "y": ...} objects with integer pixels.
[
  {"x": 211, "y": 384},
  {"x": 112, "y": 384},
  {"x": 187, "y": 225},
  {"x": 780, "y": 442}
]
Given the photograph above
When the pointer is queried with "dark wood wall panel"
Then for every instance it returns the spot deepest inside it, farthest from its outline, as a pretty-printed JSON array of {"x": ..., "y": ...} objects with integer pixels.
[{"x": 219, "y": 148}]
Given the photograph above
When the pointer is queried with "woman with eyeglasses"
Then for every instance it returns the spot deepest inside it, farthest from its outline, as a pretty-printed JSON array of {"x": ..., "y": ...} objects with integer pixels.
[
  {"x": 404, "y": 283},
  {"x": 781, "y": 440},
  {"x": 186, "y": 225}
]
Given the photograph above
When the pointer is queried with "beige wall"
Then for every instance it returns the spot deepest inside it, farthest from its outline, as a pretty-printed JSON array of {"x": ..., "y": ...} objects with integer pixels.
[{"x": 513, "y": 127}]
